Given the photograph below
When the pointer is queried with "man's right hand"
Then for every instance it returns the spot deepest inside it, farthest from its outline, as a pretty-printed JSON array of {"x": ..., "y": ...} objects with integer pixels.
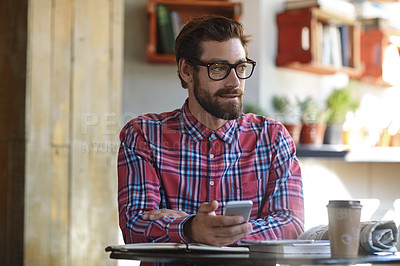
[{"x": 216, "y": 230}]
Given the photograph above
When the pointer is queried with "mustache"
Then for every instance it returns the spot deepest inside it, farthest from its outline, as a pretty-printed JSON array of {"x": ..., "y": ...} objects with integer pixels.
[{"x": 222, "y": 92}]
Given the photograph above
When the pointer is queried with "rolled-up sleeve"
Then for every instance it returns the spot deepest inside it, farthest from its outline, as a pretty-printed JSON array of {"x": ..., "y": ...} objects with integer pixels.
[{"x": 139, "y": 192}]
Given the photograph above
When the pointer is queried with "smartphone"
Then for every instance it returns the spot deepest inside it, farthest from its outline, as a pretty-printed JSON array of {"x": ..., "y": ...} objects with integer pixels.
[{"x": 241, "y": 207}]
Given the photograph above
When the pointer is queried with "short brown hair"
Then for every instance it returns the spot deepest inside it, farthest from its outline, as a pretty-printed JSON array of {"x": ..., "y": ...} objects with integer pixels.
[{"x": 206, "y": 28}]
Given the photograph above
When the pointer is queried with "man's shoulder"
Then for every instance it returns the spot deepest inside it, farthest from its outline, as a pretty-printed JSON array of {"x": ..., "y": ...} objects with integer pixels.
[
  {"x": 149, "y": 122},
  {"x": 156, "y": 118},
  {"x": 261, "y": 121},
  {"x": 267, "y": 128}
]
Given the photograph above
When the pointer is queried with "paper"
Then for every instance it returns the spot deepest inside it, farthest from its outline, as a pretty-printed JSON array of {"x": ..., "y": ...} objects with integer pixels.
[{"x": 375, "y": 236}]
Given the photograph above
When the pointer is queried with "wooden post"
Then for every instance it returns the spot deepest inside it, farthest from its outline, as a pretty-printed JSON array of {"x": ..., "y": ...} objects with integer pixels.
[
  {"x": 13, "y": 45},
  {"x": 73, "y": 111}
]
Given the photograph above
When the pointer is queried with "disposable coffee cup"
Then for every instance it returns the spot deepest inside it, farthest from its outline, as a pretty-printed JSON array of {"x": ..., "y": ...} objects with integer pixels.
[{"x": 344, "y": 227}]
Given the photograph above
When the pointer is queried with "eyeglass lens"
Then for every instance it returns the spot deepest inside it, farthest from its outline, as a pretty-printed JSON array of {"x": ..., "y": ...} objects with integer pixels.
[{"x": 221, "y": 70}]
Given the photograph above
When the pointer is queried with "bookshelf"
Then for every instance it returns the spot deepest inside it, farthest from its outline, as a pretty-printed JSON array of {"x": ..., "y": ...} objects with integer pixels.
[
  {"x": 317, "y": 41},
  {"x": 375, "y": 38},
  {"x": 186, "y": 10}
]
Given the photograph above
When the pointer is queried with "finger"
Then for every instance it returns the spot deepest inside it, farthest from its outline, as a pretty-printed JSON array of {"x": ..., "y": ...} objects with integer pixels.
[
  {"x": 224, "y": 241},
  {"x": 208, "y": 207},
  {"x": 233, "y": 231},
  {"x": 230, "y": 220},
  {"x": 153, "y": 215},
  {"x": 172, "y": 213},
  {"x": 233, "y": 236},
  {"x": 157, "y": 216},
  {"x": 169, "y": 212},
  {"x": 214, "y": 205},
  {"x": 181, "y": 213},
  {"x": 162, "y": 213}
]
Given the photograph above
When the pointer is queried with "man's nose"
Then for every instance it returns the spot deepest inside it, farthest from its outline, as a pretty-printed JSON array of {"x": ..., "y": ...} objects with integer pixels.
[{"x": 232, "y": 78}]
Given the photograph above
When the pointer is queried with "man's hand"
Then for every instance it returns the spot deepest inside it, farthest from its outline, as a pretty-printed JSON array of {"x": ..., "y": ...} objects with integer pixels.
[
  {"x": 162, "y": 213},
  {"x": 216, "y": 230}
]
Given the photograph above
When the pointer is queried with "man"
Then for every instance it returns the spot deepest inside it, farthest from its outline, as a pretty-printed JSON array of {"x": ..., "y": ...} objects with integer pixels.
[{"x": 177, "y": 170}]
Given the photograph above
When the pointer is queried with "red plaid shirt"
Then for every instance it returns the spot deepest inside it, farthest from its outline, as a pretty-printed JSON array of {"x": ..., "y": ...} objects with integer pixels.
[{"x": 172, "y": 161}]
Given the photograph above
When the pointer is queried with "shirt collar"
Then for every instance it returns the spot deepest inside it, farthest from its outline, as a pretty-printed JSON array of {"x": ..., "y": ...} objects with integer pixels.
[{"x": 198, "y": 131}]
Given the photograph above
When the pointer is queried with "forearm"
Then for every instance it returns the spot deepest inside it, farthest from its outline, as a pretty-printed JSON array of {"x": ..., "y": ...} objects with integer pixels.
[
  {"x": 137, "y": 230},
  {"x": 278, "y": 226},
  {"x": 136, "y": 197},
  {"x": 138, "y": 193},
  {"x": 282, "y": 216}
]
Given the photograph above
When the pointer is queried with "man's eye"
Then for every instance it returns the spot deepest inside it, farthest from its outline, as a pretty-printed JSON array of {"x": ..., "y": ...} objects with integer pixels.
[
  {"x": 241, "y": 67},
  {"x": 218, "y": 67}
]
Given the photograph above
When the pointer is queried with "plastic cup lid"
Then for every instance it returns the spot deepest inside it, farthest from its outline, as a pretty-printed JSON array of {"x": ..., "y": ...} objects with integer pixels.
[{"x": 344, "y": 204}]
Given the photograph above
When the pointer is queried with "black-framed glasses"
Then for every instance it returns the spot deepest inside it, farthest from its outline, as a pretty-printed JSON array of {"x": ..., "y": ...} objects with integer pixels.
[{"x": 220, "y": 70}]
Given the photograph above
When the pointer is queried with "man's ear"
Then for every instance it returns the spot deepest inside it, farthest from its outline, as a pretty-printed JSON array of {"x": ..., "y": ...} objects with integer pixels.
[{"x": 185, "y": 70}]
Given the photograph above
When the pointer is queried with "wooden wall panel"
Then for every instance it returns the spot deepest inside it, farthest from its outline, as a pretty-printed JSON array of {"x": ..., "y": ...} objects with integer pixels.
[
  {"x": 74, "y": 88},
  {"x": 39, "y": 226},
  {"x": 89, "y": 73},
  {"x": 61, "y": 72},
  {"x": 94, "y": 111}
]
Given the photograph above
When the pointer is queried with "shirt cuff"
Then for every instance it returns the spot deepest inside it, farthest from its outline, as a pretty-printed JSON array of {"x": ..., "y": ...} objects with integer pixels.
[{"x": 175, "y": 231}]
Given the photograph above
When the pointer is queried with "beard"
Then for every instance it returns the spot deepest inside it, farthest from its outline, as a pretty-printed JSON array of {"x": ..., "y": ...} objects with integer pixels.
[{"x": 211, "y": 103}]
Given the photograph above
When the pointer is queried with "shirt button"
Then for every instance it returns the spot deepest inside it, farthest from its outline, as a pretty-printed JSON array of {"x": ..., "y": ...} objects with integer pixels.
[
  {"x": 211, "y": 156},
  {"x": 211, "y": 183},
  {"x": 213, "y": 135}
]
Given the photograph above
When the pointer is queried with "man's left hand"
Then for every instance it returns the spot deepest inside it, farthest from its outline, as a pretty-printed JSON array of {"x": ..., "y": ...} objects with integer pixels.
[{"x": 162, "y": 213}]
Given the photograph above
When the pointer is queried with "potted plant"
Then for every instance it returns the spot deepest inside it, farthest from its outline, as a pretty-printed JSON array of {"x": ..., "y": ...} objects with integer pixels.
[
  {"x": 254, "y": 109},
  {"x": 339, "y": 103},
  {"x": 313, "y": 118},
  {"x": 286, "y": 113}
]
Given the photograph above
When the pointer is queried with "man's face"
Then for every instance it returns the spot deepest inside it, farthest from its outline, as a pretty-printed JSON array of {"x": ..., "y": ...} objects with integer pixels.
[{"x": 223, "y": 98}]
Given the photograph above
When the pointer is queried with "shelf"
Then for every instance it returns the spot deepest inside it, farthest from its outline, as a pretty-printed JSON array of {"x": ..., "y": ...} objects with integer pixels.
[
  {"x": 186, "y": 10},
  {"x": 316, "y": 41},
  {"x": 322, "y": 151},
  {"x": 372, "y": 154},
  {"x": 322, "y": 69},
  {"x": 375, "y": 40}
]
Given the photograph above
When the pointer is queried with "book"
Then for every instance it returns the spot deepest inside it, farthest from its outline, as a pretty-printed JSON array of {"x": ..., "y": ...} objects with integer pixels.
[
  {"x": 318, "y": 42},
  {"x": 336, "y": 46},
  {"x": 326, "y": 46},
  {"x": 177, "y": 24},
  {"x": 159, "y": 247},
  {"x": 377, "y": 23},
  {"x": 289, "y": 246},
  {"x": 165, "y": 30},
  {"x": 332, "y": 49},
  {"x": 345, "y": 44},
  {"x": 340, "y": 7}
]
